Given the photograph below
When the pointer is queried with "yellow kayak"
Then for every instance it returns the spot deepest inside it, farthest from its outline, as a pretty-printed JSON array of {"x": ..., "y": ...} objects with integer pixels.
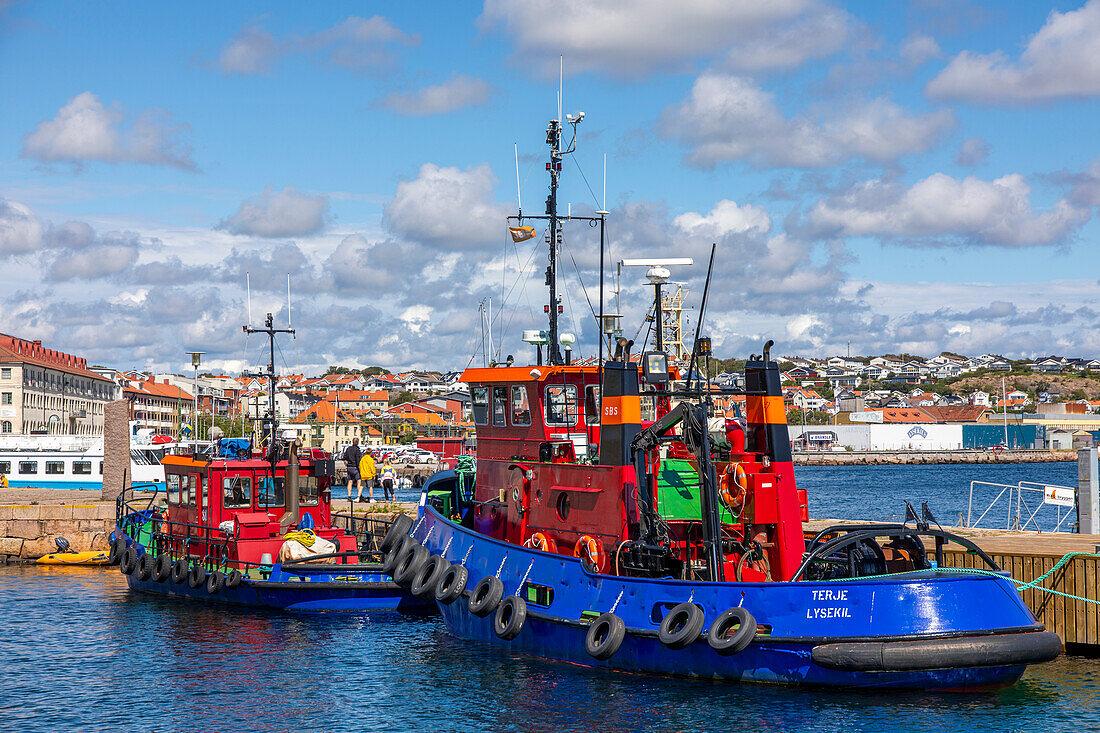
[{"x": 91, "y": 557}]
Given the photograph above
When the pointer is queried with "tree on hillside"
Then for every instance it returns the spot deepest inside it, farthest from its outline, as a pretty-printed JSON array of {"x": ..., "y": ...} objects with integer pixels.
[
  {"x": 373, "y": 371},
  {"x": 400, "y": 397}
]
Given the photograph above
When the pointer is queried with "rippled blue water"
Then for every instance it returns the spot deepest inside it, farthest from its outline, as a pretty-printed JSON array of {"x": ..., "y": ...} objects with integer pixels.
[{"x": 82, "y": 653}]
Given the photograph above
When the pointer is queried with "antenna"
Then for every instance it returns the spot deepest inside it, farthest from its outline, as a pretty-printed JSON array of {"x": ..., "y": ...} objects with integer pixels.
[
  {"x": 519, "y": 198},
  {"x": 604, "y": 207},
  {"x": 248, "y": 289},
  {"x": 289, "y": 323},
  {"x": 561, "y": 70}
]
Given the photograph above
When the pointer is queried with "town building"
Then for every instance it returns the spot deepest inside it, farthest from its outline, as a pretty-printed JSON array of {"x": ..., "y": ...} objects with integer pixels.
[{"x": 49, "y": 392}]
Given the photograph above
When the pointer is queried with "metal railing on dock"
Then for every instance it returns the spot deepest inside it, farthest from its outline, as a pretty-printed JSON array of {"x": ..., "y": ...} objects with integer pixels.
[{"x": 1028, "y": 506}]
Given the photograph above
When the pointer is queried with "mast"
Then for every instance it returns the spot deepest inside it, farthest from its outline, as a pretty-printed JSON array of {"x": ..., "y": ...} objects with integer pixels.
[
  {"x": 270, "y": 330},
  {"x": 553, "y": 139}
]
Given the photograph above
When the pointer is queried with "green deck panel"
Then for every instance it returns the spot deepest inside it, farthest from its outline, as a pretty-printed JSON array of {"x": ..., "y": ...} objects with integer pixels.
[{"x": 678, "y": 492}]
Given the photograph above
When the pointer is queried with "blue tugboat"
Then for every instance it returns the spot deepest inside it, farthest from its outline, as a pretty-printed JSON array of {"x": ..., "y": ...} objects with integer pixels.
[
  {"x": 256, "y": 530},
  {"x": 611, "y": 521}
]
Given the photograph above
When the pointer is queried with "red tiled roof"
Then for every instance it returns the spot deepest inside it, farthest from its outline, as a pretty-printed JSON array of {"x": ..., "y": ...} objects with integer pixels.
[
  {"x": 906, "y": 414},
  {"x": 14, "y": 349},
  {"x": 159, "y": 390},
  {"x": 956, "y": 413}
]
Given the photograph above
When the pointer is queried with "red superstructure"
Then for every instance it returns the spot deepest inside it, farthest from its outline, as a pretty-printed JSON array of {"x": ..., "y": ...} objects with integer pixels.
[{"x": 564, "y": 468}]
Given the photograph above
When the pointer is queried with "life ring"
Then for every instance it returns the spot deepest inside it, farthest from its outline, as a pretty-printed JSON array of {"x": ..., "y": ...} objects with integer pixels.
[
  {"x": 590, "y": 549},
  {"x": 539, "y": 541},
  {"x": 735, "y": 485}
]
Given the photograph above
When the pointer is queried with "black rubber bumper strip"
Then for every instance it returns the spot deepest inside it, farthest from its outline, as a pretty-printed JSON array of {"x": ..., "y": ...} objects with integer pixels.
[{"x": 998, "y": 650}]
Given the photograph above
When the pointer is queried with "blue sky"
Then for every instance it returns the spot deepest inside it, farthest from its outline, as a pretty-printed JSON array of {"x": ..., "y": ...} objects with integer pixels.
[{"x": 901, "y": 176}]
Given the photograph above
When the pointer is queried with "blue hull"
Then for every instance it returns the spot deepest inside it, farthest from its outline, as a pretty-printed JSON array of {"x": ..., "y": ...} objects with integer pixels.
[
  {"x": 794, "y": 618},
  {"x": 312, "y": 591},
  {"x": 385, "y": 596}
]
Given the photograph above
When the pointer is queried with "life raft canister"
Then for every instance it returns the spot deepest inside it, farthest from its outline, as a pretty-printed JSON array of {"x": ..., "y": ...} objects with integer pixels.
[
  {"x": 735, "y": 484},
  {"x": 539, "y": 541},
  {"x": 591, "y": 549}
]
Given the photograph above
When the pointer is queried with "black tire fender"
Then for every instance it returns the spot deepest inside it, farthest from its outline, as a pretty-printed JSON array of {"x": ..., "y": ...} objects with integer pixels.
[
  {"x": 215, "y": 581},
  {"x": 400, "y": 528},
  {"x": 736, "y": 620},
  {"x": 681, "y": 626},
  {"x": 144, "y": 569},
  {"x": 423, "y": 584},
  {"x": 605, "y": 636},
  {"x": 197, "y": 577},
  {"x": 486, "y": 595},
  {"x": 233, "y": 578},
  {"x": 180, "y": 571},
  {"x": 409, "y": 564},
  {"x": 510, "y": 617},
  {"x": 452, "y": 584},
  {"x": 118, "y": 547},
  {"x": 163, "y": 568},
  {"x": 129, "y": 561},
  {"x": 393, "y": 554}
]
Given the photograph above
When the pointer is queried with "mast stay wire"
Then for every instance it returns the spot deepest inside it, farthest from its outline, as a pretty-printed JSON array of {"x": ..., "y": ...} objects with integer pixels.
[{"x": 519, "y": 279}]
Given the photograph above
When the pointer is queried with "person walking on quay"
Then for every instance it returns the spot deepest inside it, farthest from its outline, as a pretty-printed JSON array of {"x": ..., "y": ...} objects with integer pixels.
[
  {"x": 389, "y": 479},
  {"x": 366, "y": 476},
  {"x": 351, "y": 457}
]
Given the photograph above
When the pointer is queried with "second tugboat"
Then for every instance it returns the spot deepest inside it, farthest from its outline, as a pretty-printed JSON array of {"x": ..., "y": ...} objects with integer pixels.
[
  {"x": 590, "y": 534},
  {"x": 256, "y": 530}
]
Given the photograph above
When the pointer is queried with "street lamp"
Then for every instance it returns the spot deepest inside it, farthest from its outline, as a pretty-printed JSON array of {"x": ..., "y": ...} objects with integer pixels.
[{"x": 196, "y": 358}]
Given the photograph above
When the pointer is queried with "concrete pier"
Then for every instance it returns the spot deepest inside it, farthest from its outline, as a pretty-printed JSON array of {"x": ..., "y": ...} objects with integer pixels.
[{"x": 898, "y": 458}]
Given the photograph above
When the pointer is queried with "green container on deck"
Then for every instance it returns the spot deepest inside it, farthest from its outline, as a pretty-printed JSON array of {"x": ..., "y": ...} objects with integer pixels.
[{"x": 678, "y": 492}]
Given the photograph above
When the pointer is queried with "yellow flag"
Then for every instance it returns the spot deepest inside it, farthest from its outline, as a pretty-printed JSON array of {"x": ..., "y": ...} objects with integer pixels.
[{"x": 521, "y": 234}]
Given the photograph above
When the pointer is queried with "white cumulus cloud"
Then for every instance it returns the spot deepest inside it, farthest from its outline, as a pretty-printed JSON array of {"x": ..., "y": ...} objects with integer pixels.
[
  {"x": 947, "y": 210},
  {"x": 726, "y": 217},
  {"x": 274, "y": 214},
  {"x": 85, "y": 130},
  {"x": 448, "y": 207},
  {"x": 20, "y": 229},
  {"x": 457, "y": 92},
  {"x": 727, "y": 118},
  {"x": 633, "y": 39},
  {"x": 1061, "y": 60}
]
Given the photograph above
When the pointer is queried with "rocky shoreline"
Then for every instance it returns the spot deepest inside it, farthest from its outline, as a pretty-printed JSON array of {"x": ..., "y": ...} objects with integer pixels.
[{"x": 897, "y": 458}]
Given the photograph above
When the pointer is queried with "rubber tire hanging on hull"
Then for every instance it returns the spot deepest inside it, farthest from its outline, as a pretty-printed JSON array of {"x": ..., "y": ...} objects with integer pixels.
[
  {"x": 605, "y": 636},
  {"x": 423, "y": 585},
  {"x": 129, "y": 561},
  {"x": 180, "y": 571},
  {"x": 452, "y": 584},
  {"x": 144, "y": 569},
  {"x": 400, "y": 528},
  {"x": 233, "y": 578},
  {"x": 681, "y": 626},
  {"x": 215, "y": 581},
  {"x": 720, "y": 638},
  {"x": 393, "y": 554},
  {"x": 486, "y": 595},
  {"x": 197, "y": 577},
  {"x": 163, "y": 569},
  {"x": 510, "y": 616},
  {"x": 409, "y": 564},
  {"x": 118, "y": 547}
]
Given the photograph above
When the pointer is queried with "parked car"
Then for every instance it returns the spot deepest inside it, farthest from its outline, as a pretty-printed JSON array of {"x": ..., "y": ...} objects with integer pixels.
[{"x": 418, "y": 455}]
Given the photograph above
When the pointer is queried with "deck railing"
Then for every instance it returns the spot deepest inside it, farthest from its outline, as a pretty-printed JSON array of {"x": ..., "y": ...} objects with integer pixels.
[{"x": 1027, "y": 507}]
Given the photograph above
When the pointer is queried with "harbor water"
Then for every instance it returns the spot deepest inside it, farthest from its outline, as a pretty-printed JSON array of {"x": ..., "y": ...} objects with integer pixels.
[{"x": 83, "y": 653}]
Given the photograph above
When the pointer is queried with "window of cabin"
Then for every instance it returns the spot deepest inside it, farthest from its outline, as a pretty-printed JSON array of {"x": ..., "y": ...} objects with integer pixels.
[
  {"x": 55, "y": 467},
  {"x": 236, "y": 492},
  {"x": 309, "y": 491},
  {"x": 172, "y": 487},
  {"x": 500, "y": 406},
  {"x": 561, "y": 404},
  {"x": 82, "y": 468},
  {"x": 28, "y": 466},
  {"x": 101, "y": 468},
  {"x": 5, "y": 466},
  {"x": 479, "y": 397},
  {"x": 592, "y": 404},
  {"x": 271, "y": 494},
  {"x": 521, "y": 408},
  {"x": 192, "y": 489}
]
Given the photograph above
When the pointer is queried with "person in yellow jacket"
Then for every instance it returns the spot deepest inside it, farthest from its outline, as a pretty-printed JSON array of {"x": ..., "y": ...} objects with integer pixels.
[{"x": 366, "y": 473}]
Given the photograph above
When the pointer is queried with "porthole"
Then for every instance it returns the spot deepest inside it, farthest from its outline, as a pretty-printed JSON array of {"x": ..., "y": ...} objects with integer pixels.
[{"x": 563, "y": 506}]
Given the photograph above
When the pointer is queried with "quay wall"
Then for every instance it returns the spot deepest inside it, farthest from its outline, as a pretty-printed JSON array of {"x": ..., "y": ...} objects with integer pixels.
[
  {"x": 28, "y": 531},
  {"x": 888, "y": 458}
]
